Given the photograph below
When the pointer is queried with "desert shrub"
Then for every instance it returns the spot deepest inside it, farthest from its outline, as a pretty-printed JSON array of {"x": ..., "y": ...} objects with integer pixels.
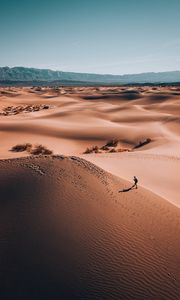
[
  {"x": 21, "y": 147},
  {"x": 142, "y": 143},
  {"x": 46, "y": 107},
  {"x": 112, "y": 150},
  {"x": 112, "y": 143},
  {"x": 87, "y": 151},
  {"x": 105, "y": 148},
  {"x": 123, "y": 150},
  {"x": 28, "y": 147},
  {"x": 94, "y": 149},
  {"x": 40, "y": 149}
]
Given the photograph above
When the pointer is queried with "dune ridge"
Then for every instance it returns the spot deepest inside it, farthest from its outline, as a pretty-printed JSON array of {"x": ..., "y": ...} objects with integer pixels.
[
  {"x": 73, "y": 117},
  {"x": 67, "y": 233}
]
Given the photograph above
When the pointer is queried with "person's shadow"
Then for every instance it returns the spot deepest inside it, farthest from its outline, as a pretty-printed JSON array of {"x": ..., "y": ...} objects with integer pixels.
[{"x": 128, "y": 189}]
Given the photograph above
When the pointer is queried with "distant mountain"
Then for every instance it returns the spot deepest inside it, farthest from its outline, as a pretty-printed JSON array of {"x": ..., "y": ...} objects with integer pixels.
[{"x": 22, "y": 75}]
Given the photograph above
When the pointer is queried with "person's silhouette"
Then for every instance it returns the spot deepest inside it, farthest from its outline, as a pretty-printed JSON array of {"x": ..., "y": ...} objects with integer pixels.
[
  {"x": 135, "y": 182},
  {"x": 133, "y": 186}
]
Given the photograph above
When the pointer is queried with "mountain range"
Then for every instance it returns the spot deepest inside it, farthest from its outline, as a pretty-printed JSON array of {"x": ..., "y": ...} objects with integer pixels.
[{"x": 23, "y": 75}]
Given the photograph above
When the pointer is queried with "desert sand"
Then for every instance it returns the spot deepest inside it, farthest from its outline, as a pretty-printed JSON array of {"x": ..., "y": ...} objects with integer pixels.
[{"x": 66, "y": 232}]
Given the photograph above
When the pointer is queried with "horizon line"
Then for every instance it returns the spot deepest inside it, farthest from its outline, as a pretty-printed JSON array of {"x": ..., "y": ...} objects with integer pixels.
[{"x": 76, "y": 72}]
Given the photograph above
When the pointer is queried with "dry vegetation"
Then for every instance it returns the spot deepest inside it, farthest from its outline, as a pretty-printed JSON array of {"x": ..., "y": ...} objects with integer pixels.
[
  {"x": 40, "y": 149},
  {"x": 14, "y": 110},
  {"x": 110, "y": 147},
  {"x": 142, "y": 143},
  {"x": 21, "y": 147},
  {"x": 112, "y": 143},
  {"x": 33, "y": 150},
  {"x": 113, "y": 146}
]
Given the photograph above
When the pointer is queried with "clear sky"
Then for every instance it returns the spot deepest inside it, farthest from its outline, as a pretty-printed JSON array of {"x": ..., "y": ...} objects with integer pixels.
[{"x": 96, "y": 36}]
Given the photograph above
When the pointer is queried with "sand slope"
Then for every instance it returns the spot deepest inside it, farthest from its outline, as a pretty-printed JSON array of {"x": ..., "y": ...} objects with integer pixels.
[
  {"x": 66, "y": 233},
  {"x": 156, "y": 172}
]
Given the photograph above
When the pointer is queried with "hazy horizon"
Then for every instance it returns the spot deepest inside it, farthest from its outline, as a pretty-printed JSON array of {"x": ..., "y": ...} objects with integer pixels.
[
  {"x": 104, "y": 37},
  {"x": 58, "y": 70}
]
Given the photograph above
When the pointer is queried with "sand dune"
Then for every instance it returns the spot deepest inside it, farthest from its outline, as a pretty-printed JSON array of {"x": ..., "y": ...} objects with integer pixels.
[
  {"x": 156, "y": 172},
  {"x": 66, "y": 233},
  {"x": 72, "y": 105},
  {"x": 82, "y": 117}
]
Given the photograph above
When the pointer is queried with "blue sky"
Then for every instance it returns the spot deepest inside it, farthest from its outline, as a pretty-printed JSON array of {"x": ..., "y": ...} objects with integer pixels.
[{"x": 95, "y": 36}]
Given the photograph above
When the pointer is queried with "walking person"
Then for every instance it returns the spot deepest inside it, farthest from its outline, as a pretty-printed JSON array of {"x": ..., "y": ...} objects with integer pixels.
[
  {"x": 135, "y": 182},
  {"x": 133, "y": 186}
]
